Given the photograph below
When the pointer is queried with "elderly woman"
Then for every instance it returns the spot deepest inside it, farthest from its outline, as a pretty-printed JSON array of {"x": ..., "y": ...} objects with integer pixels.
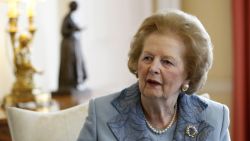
[{"x": 170, "y": 55}]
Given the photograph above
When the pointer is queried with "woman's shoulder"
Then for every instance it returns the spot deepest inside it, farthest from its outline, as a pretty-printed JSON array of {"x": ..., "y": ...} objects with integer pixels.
[
  {"x": 102, "y": 107},
  {"x": 106, "y": 99},
  {"x": 212, "y": 104},
  {"x": 208, "y": 108},
  {"x": 215, "y": 112}
]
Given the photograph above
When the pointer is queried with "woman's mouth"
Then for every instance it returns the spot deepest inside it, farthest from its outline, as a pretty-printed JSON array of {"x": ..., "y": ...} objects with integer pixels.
[{"x": 153, "y": 82}]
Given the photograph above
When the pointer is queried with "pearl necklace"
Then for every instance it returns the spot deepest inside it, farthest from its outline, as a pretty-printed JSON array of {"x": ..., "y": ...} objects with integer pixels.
[{"x": 161, "y": 131}]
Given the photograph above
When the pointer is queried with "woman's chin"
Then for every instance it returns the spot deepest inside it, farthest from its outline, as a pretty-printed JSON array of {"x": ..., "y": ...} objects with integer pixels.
[{"x": 152, "y": 93}]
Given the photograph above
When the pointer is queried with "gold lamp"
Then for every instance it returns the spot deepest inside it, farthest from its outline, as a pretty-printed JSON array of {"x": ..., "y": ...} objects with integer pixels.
[{"x": 24, "y": 89}]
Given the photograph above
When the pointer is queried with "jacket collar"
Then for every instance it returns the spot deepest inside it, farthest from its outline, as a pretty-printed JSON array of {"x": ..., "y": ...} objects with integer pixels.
[{"x": 129, "y": 124}]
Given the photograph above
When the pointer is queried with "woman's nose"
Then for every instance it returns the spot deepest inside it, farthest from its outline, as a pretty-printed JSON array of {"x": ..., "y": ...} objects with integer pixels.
[{"x": 154, "y": 67}]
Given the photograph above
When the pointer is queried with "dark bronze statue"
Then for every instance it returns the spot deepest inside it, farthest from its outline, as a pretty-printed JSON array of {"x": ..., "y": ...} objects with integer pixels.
[{"x": 72, "y": 70}]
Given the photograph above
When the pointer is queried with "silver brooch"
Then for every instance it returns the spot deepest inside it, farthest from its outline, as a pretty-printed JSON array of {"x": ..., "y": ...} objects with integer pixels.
[{"x": 191, "y": 131}]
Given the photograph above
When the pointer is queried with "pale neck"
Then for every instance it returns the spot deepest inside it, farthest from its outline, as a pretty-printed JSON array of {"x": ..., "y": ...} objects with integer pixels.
[{"x": 159, "y": 111}]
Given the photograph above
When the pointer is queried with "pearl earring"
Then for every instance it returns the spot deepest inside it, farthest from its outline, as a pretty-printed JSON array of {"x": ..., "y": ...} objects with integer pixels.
[{"x": 184, "y": 87}]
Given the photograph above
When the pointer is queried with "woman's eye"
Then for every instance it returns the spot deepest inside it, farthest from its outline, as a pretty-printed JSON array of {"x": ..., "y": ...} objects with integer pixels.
[
  {"x": 147, "y": 58},
  {"x": 167, "y": 62}
]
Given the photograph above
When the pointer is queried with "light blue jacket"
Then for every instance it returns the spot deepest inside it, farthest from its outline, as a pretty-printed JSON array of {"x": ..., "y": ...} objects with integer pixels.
[{"x": 119, "y": 117}]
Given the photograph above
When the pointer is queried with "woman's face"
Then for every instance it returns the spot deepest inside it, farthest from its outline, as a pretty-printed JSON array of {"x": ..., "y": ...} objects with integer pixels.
[{"x": 161, "y": 66}]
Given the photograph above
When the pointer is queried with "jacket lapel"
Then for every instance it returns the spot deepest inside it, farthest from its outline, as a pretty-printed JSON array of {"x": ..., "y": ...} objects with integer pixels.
[
  {"x": 190, "y": 110},
  {"x": 129, "y": 124}
]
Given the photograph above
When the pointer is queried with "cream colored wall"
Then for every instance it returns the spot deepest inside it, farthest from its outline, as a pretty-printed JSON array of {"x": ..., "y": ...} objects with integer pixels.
[{"x": 216, "y": 17}]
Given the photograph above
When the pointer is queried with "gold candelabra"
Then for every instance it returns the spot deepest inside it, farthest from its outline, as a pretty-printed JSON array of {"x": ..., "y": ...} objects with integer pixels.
[{"x": 23, "y": 89}]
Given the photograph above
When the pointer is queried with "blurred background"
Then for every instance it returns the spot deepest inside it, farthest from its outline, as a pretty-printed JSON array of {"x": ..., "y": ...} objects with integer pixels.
[{"x": 109, "y": 27}]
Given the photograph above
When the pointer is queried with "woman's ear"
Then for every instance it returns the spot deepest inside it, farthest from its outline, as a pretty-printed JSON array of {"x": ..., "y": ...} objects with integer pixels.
[
  {"x": 187, "y": 81},
  {"x": 136, "y": 73}
]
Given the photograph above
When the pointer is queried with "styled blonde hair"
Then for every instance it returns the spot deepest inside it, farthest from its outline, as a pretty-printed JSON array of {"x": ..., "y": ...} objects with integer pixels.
[{"x": 198, "y": 57}]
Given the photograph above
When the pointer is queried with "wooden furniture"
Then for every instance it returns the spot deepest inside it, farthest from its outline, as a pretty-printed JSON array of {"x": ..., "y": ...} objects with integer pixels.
[
  {"x": 64, "y": 100},
  {"x": 4, "y": 130}
]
